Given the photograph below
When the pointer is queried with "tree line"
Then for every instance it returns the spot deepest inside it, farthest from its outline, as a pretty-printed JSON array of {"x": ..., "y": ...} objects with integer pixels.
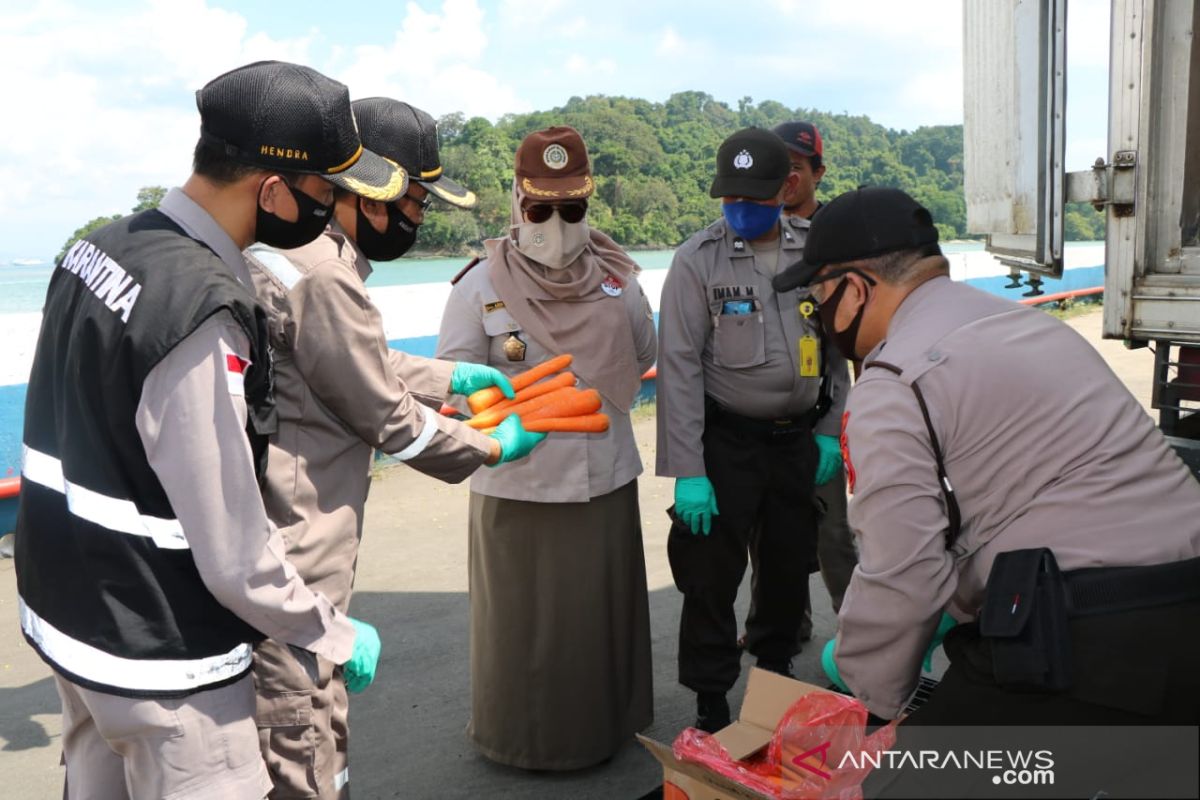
[{"x": 653, "y": 163}]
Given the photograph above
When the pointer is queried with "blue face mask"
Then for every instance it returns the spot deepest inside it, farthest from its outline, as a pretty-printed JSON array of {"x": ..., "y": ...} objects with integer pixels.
[{"x": 750, "y": 220}]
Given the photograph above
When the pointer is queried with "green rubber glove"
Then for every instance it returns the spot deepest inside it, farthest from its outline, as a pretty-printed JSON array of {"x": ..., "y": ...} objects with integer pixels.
[
  {"x": 515, "y": 441},
  {"x": 696, "y": 503},
  {"x": 830, "y": 458},
  {"x": 830, "y": 667},
  {"x": 944, "y": 625},
  {"x": 360, "y": 669},
  {"x": 468, "y": 378}
]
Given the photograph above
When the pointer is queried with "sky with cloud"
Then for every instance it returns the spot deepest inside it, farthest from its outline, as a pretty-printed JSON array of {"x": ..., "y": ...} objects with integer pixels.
[{"x": 98, "y": 96}]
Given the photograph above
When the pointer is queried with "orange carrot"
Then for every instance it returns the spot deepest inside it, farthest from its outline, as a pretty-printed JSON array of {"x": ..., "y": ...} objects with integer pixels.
[
  {"x": 486, "y": 398},
  {"x": 588, "y": 423},
  {"x": 574, "y": 404},
  {"x": 560, "y": 381},
  {"x": 494, "y": 416}
]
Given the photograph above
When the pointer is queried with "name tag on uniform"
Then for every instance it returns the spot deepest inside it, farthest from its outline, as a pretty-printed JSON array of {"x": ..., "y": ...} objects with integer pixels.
[{"x": 488, "y": 308}]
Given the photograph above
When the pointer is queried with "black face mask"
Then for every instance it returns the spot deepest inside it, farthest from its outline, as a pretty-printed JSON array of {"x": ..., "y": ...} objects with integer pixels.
[
  {"x": 275, "y": 232},
  {"x": 397, "y": 237},
  {"x": 845, "y": 341}
]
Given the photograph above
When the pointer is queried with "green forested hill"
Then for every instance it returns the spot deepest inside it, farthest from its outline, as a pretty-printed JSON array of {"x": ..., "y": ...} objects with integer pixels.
[{"x": 653, "y": 163}]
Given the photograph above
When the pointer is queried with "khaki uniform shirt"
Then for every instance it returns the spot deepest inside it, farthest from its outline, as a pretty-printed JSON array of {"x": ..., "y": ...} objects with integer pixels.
[
  {"x": 568, "y": 467},
  {"x": 1044, "y": 447},
  {"x": 749, "y": 363},
  {"x": 192, "y": 421},
  {"x": 341, "y": 394}
]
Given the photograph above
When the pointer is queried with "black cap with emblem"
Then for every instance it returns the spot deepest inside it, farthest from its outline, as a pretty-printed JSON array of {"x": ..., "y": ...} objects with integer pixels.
[
  {"x": 751, "y": 163},
  {"x": 408, "y": 136},
  {"x": 867, "y": 222},
  {"x": 291, "y": 118}
]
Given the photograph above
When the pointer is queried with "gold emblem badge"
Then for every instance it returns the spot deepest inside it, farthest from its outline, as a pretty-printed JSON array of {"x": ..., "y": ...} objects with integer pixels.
[{"x": 514, "y": 348}]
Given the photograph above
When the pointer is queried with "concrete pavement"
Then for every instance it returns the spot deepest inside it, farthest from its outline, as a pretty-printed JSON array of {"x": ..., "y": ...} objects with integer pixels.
[{"x": 408, "y": 728}]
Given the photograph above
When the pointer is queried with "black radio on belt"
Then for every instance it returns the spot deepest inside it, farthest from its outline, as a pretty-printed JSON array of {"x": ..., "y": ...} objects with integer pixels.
[{"x": 1024, "y": 616}]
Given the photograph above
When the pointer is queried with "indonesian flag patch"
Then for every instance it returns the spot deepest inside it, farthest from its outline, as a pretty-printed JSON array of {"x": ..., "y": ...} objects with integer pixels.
[
  {"x": 845, "y": 442},
  {"x": 235, "y": 373}
]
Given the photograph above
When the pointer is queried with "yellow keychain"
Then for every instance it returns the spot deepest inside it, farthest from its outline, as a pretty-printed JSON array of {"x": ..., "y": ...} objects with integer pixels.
[
  {"x": 810, "y": 357},
  {"x": 810, "y": 351}
]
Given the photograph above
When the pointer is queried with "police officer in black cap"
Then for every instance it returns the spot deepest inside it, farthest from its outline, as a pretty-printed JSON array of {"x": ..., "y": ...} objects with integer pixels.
[
  {"x": 146, "y": 565},
  {"x": 744, "y": 423},
  {"x": 1002, "y": 478}
]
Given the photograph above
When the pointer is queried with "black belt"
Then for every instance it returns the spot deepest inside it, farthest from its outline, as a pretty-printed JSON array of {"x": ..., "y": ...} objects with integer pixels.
[
  {"x": 1108, "y": 590},
  {"x": 717, "y": 415}
]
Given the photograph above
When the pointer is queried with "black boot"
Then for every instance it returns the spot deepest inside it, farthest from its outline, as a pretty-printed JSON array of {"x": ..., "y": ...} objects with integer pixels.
[{"x": 712, "y": 711}]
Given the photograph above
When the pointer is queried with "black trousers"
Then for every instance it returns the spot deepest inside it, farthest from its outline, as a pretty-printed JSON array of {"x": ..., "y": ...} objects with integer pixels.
[
  {"x": 764, "y": 490},
  {"x": 1138, "y": 667}
]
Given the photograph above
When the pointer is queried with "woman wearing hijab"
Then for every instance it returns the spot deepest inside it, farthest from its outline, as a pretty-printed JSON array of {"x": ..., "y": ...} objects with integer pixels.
[{"x": 560, "y": 624}]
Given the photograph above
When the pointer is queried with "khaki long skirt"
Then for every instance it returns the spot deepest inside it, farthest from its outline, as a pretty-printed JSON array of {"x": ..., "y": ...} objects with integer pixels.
[{"x": 560, "y": 629}]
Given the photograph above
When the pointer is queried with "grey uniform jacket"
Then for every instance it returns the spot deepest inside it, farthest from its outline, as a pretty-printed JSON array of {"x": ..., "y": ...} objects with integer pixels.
[
  {"x": 567, "y": 467},
  {"x": 749, "y": 363},
  {"x": 192, "y": 419},
  {"x": 1044, "y": 447},
  {"x": 341, "y": 393}
]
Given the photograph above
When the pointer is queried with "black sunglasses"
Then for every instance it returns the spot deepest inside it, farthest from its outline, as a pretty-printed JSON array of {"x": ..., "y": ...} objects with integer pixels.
[
  {"x": 570, "y": 212},
  {"x": 424, "y": 203}
]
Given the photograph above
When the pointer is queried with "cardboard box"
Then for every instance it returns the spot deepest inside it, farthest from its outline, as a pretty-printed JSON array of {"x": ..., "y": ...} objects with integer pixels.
[{"x": 768, "y": 696}]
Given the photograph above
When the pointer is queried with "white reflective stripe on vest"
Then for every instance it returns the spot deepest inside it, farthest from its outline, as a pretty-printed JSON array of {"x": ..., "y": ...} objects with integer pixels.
[
  {"x": 145, "y": 675},
  {"x": 108, "y": 512},
  {"x": 423, "y": 438}
]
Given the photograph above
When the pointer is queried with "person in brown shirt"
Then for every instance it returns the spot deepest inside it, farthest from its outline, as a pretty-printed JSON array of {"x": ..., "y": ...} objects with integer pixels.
[
  {"x": 1001, "y": 474},
  {"x": 342, "y": 394},
  {"x": 557, "y": 570}
]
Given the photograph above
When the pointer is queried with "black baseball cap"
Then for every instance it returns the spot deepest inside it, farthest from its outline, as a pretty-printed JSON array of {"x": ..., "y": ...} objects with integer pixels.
[
  {"x": 408, "y": 136},
  {"x": 867, "y": 222},
  {"x": 751, "y": 163},
  {"x": 802, "y": 138},
  {"x": 291, "y": 118}
]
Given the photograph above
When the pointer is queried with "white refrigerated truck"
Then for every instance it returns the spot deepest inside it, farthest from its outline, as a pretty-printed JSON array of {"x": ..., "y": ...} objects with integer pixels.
[{"x": 1147, "y": 183}]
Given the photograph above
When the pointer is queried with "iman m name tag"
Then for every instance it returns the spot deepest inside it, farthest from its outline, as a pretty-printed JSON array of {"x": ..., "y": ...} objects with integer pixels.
[{"x": 490, "y": 307}]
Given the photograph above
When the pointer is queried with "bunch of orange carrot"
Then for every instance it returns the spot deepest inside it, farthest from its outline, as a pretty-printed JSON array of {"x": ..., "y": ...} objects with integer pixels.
[{"x": 546, "y": 401}]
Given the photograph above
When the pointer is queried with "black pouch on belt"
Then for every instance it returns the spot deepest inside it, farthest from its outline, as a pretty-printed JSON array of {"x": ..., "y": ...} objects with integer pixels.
[{"x": 1024, "y": 619}]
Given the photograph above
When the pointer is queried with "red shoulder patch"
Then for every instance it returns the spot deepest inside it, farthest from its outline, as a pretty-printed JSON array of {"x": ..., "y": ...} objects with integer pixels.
[{"x": 846, "y": 462}]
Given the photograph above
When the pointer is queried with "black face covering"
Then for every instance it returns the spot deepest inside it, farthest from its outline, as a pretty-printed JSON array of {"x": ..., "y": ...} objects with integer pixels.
[
  {"x": 399, "y": 235},
  {"x": 846, "y": 340},
  {"x": 275, "y": 232}
]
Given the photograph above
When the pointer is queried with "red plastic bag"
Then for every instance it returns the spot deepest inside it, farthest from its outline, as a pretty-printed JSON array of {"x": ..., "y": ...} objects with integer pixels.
[{"x": 805, "y": 755}]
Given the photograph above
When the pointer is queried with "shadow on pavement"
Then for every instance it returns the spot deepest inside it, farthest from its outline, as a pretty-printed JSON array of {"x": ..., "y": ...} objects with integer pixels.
[
  {"x": 408, "y": 731},
  {"x": 18, "y": 706}
]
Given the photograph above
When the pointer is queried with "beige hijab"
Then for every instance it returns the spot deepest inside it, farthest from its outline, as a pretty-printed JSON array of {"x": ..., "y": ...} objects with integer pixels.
[{"x": 569, "y": 310}]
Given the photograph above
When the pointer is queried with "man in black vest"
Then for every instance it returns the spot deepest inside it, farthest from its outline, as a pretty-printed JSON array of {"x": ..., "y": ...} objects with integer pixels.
[{"x": 146, "y": 565}]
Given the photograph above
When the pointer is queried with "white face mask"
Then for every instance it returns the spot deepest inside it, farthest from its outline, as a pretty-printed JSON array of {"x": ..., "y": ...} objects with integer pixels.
[{"x": 553, "y": 243}]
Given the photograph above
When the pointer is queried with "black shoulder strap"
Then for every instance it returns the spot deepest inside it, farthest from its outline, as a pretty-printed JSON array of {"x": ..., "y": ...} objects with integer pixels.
[
  {"x": 943, "y": 480},
  {"x": 825, "y": 390}
]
